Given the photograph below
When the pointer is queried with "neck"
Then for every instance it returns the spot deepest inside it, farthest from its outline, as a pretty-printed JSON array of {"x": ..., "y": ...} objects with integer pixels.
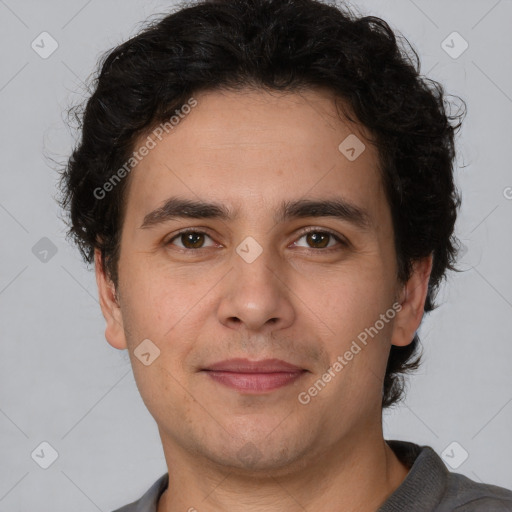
[{"x": 358, "y": 474}]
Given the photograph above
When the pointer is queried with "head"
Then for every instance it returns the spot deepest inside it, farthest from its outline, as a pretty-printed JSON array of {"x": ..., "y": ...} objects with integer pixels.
[{"x": 251, "y": 116}]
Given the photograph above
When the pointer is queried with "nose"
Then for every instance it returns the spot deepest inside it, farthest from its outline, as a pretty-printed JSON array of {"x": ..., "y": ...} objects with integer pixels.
[{"x": 255, "y": 295}]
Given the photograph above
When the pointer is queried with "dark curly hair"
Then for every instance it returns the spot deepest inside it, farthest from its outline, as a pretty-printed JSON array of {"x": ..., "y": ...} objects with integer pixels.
[{"x": 282, "y": 45}]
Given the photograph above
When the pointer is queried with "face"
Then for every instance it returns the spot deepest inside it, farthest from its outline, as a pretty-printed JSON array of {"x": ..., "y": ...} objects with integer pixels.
[{"x": 260, "y": 275}]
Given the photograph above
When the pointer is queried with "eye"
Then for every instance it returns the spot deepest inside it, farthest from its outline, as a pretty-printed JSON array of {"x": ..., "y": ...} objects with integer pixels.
[
  {"x": 190, "y": 239},
  {"x": 316, "y": 238},
  {"x": 320, "y": 239}
]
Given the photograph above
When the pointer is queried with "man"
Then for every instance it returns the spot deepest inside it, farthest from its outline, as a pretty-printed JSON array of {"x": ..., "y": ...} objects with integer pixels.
[{"x": 266, "y": 189}]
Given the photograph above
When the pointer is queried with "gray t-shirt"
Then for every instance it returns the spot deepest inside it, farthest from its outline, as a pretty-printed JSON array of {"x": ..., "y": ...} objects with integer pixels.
[{"x": 428, "y": 487}]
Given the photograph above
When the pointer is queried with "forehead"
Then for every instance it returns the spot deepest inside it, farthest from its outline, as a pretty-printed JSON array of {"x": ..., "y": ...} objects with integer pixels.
[{"x": 256, "y": 147}]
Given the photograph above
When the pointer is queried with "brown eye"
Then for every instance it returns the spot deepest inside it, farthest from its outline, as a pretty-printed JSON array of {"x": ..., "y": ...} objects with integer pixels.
[
  {"x": 189, "y": 239},
  {"x": 318, "y": 239}
]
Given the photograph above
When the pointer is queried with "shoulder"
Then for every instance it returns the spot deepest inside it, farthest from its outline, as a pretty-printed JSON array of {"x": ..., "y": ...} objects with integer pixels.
[
  {"x": 149, "y": 501},
  {"x": 465, "y": 495},
  {"x": 431, "y": 487}
]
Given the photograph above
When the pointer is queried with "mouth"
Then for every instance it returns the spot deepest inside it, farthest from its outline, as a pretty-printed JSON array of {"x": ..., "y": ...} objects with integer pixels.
[{"x": 254, "y": 376}]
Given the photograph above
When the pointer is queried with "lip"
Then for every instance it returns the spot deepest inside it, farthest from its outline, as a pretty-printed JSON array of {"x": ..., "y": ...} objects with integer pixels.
[
  {"x": 246, "y": 366},
  {"x": 254, "y": 377}
]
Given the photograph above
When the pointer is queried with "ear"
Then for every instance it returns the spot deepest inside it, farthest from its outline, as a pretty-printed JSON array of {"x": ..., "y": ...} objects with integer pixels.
[
  {"x": 114, "y": 331},
  {"x": 412, "y": 299}
]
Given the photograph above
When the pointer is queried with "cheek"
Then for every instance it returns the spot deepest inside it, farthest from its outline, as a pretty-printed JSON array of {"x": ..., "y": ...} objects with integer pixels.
[
  {"x": 155, "y": 291},
  {"x": 346, "y": 297},
  {"x": 166, "y": 307},
  {"x": 346, "y": 321}
]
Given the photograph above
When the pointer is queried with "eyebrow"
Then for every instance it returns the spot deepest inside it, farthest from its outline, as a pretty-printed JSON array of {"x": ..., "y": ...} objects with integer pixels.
[{"x": 339, "y": 208}]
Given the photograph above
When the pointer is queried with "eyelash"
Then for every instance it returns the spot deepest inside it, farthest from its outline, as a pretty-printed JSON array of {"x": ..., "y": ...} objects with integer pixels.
[{"x": 342, "y": 242}]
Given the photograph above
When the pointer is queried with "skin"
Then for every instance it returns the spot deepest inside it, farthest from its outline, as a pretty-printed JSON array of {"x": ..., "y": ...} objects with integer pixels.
[{"x": 298, "y": 301}]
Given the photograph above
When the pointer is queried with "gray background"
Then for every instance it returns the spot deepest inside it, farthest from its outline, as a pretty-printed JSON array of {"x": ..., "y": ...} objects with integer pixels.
[{"x": 60, "y": 381}]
